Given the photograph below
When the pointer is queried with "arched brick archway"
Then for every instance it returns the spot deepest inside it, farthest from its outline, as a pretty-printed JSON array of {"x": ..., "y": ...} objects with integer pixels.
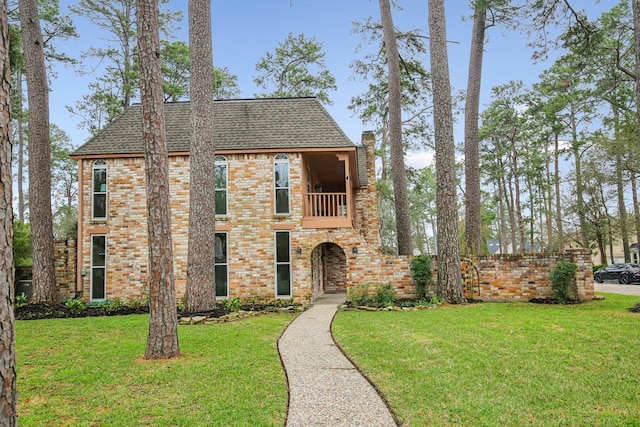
[{"x": 328, "y": 268}]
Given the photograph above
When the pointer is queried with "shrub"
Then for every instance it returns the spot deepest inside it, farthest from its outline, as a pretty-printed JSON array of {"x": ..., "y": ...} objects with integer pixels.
[
  {"x": 597, "y": 267},
  {"x": 21, "y": 300},
  {"x": 22, "y": 244},
  {"x": 385, "y": 295},
  {"x": 563, "y": 281},
  {"x": 231, "y": 304},
  {"x": 75, "y": 306},
  {"x": 421, "y": 274},
  {"x": 116, "y": 305},
  {"x": 135, "y": 304},
  {"x": 359, "y": 294}
]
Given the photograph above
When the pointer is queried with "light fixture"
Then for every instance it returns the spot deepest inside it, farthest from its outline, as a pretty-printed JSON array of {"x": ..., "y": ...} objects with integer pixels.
[
  {"x": 354, "y": 250},
  {"x": 299, "y": 253}
]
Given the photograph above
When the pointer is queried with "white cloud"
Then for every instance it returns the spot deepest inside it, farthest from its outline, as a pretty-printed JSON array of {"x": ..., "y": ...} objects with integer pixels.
[{"x": 420, "y": 159}]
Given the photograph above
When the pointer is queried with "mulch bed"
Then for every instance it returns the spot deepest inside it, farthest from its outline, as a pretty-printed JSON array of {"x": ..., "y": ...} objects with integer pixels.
[
  {"x": 553, "y": 301},
  {"x": 60, "y": 311}
]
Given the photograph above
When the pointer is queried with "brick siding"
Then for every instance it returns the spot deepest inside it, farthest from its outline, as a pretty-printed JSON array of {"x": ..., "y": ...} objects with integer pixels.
[{"x": 321, "y": 259}]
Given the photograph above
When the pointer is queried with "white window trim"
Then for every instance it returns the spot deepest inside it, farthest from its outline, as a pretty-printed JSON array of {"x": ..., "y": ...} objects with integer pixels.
[
  {"x": 276, "y": 264},
  {"x": 91, "y": 267},
  {"x": 99, "y": 164},
  {"x": 219, "y": 161},
  {"x": 279, "y": 159},
  {"x": 226, "y": 263}
]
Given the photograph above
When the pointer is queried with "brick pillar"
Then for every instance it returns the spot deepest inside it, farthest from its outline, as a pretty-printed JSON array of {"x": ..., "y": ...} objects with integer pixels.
[
  {"x": 584, "y": 273},
  {"x": 370, "y": 220}
]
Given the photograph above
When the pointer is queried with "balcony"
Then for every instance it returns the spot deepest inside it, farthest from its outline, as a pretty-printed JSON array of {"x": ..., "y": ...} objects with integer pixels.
[{"x": 326, "y": 210}]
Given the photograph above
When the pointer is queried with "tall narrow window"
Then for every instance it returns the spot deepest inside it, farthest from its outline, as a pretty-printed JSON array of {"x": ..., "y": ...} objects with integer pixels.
[
  {"x": 222, "y": 276},
  {"x": 281, "y": 180},
  {"x": 98, "y": 267},
  {"x": 221, "y": 185},
  {"x": 99, "y": 188},
  {"x": 283, "y": 264}
]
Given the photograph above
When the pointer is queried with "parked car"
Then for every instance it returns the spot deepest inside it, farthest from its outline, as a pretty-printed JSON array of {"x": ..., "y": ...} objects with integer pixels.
[{"x": 623, "y": 273}]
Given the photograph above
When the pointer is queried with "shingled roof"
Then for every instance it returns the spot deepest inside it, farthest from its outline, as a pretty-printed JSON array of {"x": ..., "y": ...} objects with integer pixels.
[{"x": 245, "y": 124}]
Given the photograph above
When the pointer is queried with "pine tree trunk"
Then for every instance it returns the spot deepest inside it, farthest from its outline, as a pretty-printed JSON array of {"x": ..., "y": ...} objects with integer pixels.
[
  {"x": 548, "y": 205},
  {"x": 620, "y": 184},
  {"x": 44, "y": 280},
  {"x": 518, "y": 205},
  {"x": 449, "y": 284},
  {"x": 201, "y": 285},
  {"x": 635, "y": 5},
  {"x": 20, "y": 133},
  {"x": 162, "y": 342},
  {"x": 513, "y": 227},
  {"x": 7, "y": 324},
  {"x": 556, "y": 180},
  {"x": 473, "y": 224},
  {"x": 398, "y": 169},
  {"x": 584, "y": 235},
  {"x": 636, "y": 207},
  {"x": 503, "y": 221}
]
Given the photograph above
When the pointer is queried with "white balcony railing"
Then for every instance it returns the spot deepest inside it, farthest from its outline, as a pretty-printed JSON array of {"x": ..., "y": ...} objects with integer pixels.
[{"x": 325, "y": 205}]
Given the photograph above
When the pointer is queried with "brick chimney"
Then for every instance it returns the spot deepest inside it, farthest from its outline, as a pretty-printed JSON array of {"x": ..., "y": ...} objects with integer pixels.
[
  {"x": 370, "y": 221},
  {"x": 369, "y": 141}
]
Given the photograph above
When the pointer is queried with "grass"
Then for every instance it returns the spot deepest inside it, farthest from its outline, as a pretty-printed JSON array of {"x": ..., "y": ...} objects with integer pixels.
[
  {"x": 90, "y": 372},
  {"x": 509, "y": 364}
]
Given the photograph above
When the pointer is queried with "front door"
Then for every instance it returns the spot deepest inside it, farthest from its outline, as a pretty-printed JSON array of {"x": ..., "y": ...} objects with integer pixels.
[{"x": 328, "y": 269}]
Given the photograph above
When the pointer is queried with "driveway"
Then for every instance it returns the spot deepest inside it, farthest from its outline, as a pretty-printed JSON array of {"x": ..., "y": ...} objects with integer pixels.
[{"x": 614, "y": 288}]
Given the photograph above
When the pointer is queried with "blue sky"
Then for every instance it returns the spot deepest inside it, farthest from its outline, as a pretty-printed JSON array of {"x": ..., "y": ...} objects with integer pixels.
[{"x": 244, "y": 30}]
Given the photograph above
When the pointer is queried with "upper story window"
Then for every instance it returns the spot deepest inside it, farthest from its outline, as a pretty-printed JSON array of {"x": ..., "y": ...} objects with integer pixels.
[
  {"x": 99, "y": 190},
  {"x": 221, "y": 185},
  {"x": 281, "y": 181}
]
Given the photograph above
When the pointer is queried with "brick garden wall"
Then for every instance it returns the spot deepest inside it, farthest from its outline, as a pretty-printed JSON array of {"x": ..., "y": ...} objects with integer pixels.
[
  {"x": 496, "y": 278},
  {"x": 522, "y": 277},
  {"x": 66, "y": 267}
]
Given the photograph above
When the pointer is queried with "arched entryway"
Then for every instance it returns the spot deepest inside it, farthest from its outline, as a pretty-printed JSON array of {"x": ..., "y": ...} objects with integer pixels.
[{"x": 328, "y": 269}]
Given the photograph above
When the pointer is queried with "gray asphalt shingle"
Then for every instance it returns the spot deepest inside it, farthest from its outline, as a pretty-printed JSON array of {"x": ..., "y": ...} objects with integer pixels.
[{"x": 245, "y": 124}]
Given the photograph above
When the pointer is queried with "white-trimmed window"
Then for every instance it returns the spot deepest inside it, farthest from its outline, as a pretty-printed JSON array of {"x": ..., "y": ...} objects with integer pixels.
[
  {"x": 281, "y": 183},
  {"x": 221, "y": 266},
  {"x": 98, "y": 267},
  {"x": 283, "y": 263},
  {"x": 221, "y": 185},
  {"x": 99, "y": 190}
]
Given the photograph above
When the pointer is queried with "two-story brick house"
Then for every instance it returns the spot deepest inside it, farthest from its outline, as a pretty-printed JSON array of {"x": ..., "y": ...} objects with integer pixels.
[{"x": 296, "y": 205}]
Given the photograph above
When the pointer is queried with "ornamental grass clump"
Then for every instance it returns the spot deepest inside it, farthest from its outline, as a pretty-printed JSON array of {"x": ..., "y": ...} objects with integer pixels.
[{"x": 563, "y": 281}]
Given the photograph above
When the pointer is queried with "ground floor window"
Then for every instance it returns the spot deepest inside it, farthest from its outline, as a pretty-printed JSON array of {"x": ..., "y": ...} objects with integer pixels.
[
  {"x": 222, "y": 277},
  {"x": 283, "y": 263},
  {"x": 98, "y": 267}
]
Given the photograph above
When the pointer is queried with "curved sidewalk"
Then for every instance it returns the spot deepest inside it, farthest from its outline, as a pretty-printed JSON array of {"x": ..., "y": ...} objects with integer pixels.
[{"x": 325, "y": 389}]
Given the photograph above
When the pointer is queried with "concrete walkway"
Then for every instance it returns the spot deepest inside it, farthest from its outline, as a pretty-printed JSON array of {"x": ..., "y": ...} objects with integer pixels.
[
  {"x": 325, "y": 389},
  {"x": 614, "y": 288}
]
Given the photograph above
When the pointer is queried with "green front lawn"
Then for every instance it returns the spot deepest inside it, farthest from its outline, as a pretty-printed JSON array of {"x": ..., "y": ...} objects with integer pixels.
[
  {"x": 509, "y": 364},
  {"x": 90, "y": 372},
  {"x": 476, "y": 365}
]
